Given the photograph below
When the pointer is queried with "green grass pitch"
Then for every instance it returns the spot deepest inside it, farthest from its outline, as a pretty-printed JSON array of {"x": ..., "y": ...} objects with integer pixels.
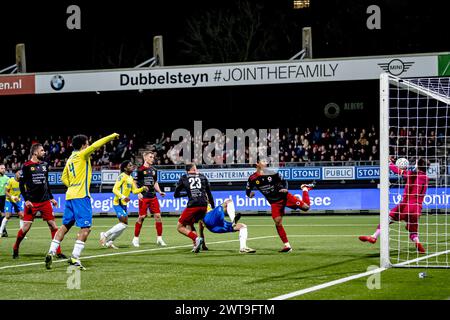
[{"x": 326, "y": 248}]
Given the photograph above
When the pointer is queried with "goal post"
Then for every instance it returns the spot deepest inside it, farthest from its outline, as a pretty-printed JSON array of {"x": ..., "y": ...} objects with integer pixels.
[{"x": 414, "y": 124}]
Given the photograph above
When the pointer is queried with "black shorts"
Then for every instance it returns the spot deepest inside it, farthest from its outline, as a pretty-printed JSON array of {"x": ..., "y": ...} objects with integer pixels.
[{"x": 2, "y": 203}]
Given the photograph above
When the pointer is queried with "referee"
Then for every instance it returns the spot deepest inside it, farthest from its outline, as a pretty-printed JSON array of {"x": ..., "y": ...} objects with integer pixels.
[{"x": 3, "y": 182}]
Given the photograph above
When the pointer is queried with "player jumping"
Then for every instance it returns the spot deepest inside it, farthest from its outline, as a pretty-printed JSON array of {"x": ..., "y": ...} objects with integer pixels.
[
  {"x": 35, "y": 189},
  {"x": 13, "y": 197},
  {"x": 215, "y": 222},
  {"x": 274, "y": 189},
  {"x": 410, "y": 208},
  {"x": 196, "y": 187},
  {"x": 147, "y": 176},
  {"x": 77, "y": 176},
  {"x": 122, "y": 188}
]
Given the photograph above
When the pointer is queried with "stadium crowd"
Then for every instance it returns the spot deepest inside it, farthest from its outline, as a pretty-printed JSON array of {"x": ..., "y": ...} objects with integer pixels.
[
  {"x": 300, "y": 145},
  {"x": 295, "y": 145},
  {"x": 14, "y": 151}
]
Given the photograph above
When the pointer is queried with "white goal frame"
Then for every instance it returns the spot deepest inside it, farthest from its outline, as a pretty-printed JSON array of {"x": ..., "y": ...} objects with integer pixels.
[{"x": 385, "y": 81}]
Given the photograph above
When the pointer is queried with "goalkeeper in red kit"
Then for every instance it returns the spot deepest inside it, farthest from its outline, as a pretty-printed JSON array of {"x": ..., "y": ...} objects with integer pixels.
[
  {"x": 274, "y": 189},
  {"x": 410, "y": 208}
]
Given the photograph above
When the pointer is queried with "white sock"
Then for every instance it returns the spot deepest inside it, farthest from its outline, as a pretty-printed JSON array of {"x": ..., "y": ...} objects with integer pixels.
[
  {"x": 21, "y": 223},
  {"x": 287, "y": 244},
  {"x": 118, "y": 227},
  {"x": 3, "y": 226},
  {"x": 243, "y": 234},
  {"x": 231, "y": 211},
  {"x": 77, "y": 248},
  {"x": 158, "y": 238},
  {"x": 54, "y": 246}
]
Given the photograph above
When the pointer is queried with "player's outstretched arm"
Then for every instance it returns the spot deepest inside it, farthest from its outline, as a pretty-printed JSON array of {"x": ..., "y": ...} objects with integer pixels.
[
  {"x": 98, "y": 144},
  {"x": 396, "y": 169},
  {"x": 137, "y": 190},
  {"x": 117, "y": 185}
]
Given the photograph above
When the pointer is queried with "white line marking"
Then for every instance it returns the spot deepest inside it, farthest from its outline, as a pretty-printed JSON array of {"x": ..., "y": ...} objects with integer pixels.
[
  {"x": 249, "y": 224},
  {"x": 420, "y": 259},
  {"x": 346, "y": 279},
  {"x": 129, "y": 252},
  {"x": 178, "y": 247},
  {"x": 326, "y": 285}
]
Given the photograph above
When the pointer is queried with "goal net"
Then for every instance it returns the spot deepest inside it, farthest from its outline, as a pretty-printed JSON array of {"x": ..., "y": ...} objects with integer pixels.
[{"x": 414, "y": 124}]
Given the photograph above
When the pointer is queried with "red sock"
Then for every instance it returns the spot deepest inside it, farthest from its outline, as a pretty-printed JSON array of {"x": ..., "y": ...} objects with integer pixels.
[
  {"x": 192, "y": 235},
  {"x": 137, "y": 229},
  {"x": 53, "y": 232},
  {"x": 282, "y": 234},
  {"x": 20, "y": 236},
  {"x": 305, "y": 198},
  {"x": 158, "y": 226}
]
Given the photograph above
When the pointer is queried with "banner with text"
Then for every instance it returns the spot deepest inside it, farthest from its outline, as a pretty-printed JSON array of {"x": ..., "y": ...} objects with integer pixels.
[
  {"x": 322, "y": 199},
  {"x": 258, "y": 73}
]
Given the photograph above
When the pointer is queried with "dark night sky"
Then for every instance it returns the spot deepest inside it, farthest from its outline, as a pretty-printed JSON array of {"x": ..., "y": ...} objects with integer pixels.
[{"x": 339, "y": 29}]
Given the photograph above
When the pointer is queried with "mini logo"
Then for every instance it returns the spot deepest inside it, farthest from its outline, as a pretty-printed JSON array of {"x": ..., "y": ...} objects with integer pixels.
[
  {"x": 33, "y": 169},
  {"x": 145, "y": 172},
  {"x": 57, "y": 82},
  {"x": 257, "y": 182},
  {"x": 396, "y": 67},
  {"x": 44, "y": 168}
]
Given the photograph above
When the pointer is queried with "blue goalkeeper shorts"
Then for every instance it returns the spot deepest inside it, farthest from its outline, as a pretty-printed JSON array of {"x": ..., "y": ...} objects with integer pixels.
[
  {"x": 78, "y": 211},
  {"x": 215, "y": 221}
]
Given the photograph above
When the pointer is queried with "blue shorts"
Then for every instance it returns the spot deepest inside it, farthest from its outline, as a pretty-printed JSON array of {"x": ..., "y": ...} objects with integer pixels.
[
  {"x": 215, "y": 221},
  {"x": 121, "y": 210},
  {"x": 15, "y": 207},
  {"x": 78, "y": 211}
]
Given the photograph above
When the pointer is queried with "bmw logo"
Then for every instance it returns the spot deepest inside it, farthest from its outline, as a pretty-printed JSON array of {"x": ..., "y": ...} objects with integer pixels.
[{"x": 57, "y": 82}]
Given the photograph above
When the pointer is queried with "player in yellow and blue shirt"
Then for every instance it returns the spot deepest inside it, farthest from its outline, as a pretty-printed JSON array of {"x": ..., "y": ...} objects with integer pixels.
[
  {"x": 77, "y": 177},
  {"x": 124, "y": 185},
  {"x": 12, "y": 191}
]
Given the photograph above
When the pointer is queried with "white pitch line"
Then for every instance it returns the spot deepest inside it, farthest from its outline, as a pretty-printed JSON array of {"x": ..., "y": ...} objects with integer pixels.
[
  {"x": 327, "y": 284},
  {"x": 128, "y": 252},
  {"x": 176, "y": 247},
  {"x": 250, "y": 225},
  {"x": 346, "y": 279}
]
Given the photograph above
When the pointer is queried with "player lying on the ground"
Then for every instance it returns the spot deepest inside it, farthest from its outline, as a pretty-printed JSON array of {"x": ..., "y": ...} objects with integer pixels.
[
  {"x": 13, "y": 197},
  {"x": 410, "y": 208},
  {"x": 214, "y": 221},
  {"x": 122, "y": 188},
  {"x": 274, "y": 189},
  {"x": 77, "y": 176}
]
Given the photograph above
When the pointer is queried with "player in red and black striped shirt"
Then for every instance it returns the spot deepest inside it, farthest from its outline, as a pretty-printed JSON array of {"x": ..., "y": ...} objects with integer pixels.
[
  {"x": 148, "y": 176},
  {"x": 195, "y": 186},
  {"x": 38, "y": 197},
  {"x": 274, "y": 189}
]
